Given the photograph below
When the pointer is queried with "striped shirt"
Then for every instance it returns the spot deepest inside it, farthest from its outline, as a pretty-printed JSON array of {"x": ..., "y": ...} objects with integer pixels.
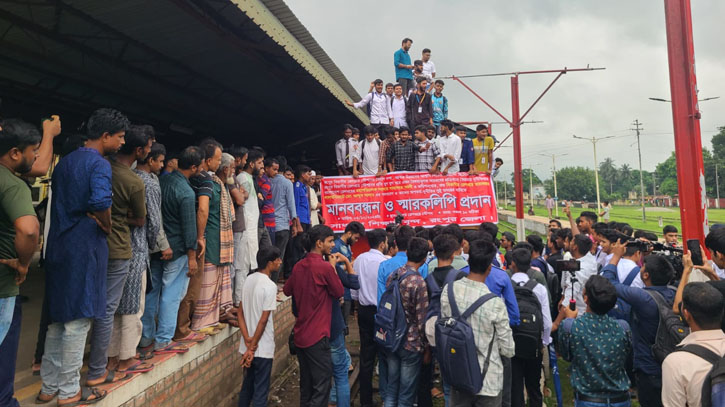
[{"x": 267, "y": 211}]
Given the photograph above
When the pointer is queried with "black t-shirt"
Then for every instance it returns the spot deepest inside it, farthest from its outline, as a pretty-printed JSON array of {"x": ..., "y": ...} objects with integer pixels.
[{"x": 440, "y": 273}]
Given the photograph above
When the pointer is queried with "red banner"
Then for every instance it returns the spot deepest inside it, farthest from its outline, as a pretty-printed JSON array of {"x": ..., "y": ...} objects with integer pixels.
[{"x": 424, "y": 200}]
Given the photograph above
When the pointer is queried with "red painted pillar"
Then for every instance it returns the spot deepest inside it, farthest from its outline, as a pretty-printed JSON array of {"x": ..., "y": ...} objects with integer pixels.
[
  {"x": 686, "y": 120},
  {"x": 518, "y": 184}
]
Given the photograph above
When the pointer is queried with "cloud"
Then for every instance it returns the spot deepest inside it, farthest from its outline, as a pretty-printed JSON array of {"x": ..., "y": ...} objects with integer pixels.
[{"x": 476, "y": 37}]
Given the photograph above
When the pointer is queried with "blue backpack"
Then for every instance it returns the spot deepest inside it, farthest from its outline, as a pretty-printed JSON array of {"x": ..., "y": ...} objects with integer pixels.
[
  {"x": 434, "y": 300},
  {"x": 456, "y": 350},
  {"x": 391, "y": 324},
  {"x": 622, "y": 309}
]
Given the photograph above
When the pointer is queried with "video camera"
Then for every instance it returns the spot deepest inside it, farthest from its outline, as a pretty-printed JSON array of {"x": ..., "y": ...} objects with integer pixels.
[
  {"x": 571, "y": 266},
  {"x": 672, "y": 254}
]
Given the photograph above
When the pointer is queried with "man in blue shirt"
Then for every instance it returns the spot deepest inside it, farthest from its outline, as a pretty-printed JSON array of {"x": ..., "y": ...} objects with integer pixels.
[
  {"x": 77, "y": 256},
  {"x": 403, "y": 66},
  {"x": 467, "y": 155},
  {"x": 343, "y": 245},
  {"x": 403, "y": 235},
  {"x": 656, "y": 273},
  {"x": 285, "y": 213},
  {"x": 302, "y": 207}
]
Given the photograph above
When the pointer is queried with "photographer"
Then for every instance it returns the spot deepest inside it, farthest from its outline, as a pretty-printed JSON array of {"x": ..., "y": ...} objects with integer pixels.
[
  {"x": 597, "y": 347},
  {"x": 656, "y": 273},
  {"x": 572, "y": 284}
]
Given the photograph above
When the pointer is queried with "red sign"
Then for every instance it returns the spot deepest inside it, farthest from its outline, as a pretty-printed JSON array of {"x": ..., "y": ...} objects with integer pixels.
[{"x": 424, "y": 200}]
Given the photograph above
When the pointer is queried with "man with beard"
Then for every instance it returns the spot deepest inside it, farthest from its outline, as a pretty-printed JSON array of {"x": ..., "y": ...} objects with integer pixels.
[
  {"x": 420, "y": 108},
  {"x": 250, "y": 244},
  {"x": 19, "y": 230}
]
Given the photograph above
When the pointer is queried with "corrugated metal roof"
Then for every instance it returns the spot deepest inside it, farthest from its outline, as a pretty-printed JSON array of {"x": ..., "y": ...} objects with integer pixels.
[{"x": 283, "y": 13}]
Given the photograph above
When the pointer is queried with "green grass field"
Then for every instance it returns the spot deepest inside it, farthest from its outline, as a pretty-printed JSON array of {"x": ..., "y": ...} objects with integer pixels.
[{"x": 633, "y": 216}]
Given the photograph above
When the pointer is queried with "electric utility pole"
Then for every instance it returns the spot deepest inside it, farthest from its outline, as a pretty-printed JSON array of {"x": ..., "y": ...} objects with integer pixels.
[
  {"x": 531, "y": 186},
  {"x": 717, "y": 188},
  {"x": 637, "y": 128},
  {"x": 594, "y": 140},
  {"x": 556, "y": 192}
]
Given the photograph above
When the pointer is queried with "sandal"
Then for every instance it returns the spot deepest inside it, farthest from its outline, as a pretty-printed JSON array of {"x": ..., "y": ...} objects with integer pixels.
[
  {"x": 210, "y": 331},
  {"x": 86, "y": 393},
  {"x": 111, "y": 377},
  {"x": 193, "y": 337},
  {"x": 137, "y": 368},
  {"x": 40, "y": 400},
  {"x": 172, "y": 347},
  {"x": 146, "y": 353}
]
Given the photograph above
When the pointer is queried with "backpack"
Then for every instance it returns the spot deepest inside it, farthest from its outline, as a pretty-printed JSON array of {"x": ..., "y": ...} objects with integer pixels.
[
  {"x": 456, "y": 350},
  {"x": 622, "y": 309},
  {"x": 434, "y": 300},
  {"x": 671, "y": 329},
  {"x": 391, "y": 324},
  {"x": 527, "y": 335},
  {"x": 434, "y": 303},
  {"x": 713, "y": 388}
]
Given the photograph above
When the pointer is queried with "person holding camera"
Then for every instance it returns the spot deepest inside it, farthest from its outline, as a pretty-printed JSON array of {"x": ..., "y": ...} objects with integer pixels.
[
  {"x": 656, "y": 273},
  {"x": 597, "y": 347},
  {"x": 572, "y": 283}
]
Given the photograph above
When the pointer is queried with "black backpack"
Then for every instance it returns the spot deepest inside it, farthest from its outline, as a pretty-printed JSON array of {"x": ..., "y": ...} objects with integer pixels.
[
  {"x": 713, "y": 388},
  {"x": 527, "y": 335},
  {"x": 456, "y": 349},
  {"x": 671, "y": 330}
]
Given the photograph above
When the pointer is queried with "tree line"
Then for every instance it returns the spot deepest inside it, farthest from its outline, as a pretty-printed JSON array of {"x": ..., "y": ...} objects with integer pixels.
[{"x": 617, "y": 180}]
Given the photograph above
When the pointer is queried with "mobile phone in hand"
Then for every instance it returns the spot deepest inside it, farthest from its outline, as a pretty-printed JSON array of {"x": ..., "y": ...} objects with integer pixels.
[{"x": 693, "y": 246}]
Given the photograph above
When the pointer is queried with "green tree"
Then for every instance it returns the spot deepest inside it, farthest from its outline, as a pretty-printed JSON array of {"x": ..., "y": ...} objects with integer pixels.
[
  {"x": 666, "y": 173},
  {"x": 525, "y": 178},
  {"x": 575, "y": 183},
  {"x": 608, "y": 174}
]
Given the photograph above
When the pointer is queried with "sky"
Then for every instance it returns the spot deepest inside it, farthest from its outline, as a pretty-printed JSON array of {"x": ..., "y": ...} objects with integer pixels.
[{"x": 484, "y": 36}]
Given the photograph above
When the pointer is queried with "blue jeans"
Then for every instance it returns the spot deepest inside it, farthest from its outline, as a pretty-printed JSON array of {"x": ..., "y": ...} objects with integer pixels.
[
  {"x": 102, "y": 328},
  {"x": 340, "y": 393},
  {"x": 63, "y": 357},
  {"x": 169, "y": 283},
  {"x": 402, "y": 384},
  {"x": 7, "y": 307},
  {"x": 578, "y": 403},
  {"x": 255, "y": 388},
  {"x": 9, "y": 339}
]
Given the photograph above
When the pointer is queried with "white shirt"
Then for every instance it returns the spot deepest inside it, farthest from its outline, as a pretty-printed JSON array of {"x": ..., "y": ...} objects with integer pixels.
[
  {"x": 543, "y": 296},
  {"x": 314, "y": 201},
  {"x": 345, "y": 160},
  {"x": 251, "y": 208},
  {"x": 368, "y": 155},
  {"x": 623, "y": 268},
  {"x": 603, "y": 258},
  {"x": 366, "y": 267},
  {"x": 380, "y": 112},
  {"x": 606, "y": 212},
  {"x": 429, "y": 68},
  {"x": 450, "y": 145},
  {"x": 683, "y": 373},
  {"x": 398, "y": 111},
  {"x": 259, "y": 294},
  {"x": 587, "y": 268}
]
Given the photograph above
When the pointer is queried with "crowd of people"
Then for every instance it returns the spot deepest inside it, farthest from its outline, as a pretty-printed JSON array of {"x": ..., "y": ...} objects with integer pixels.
[
  {"x": 144, "y": 253},
  {"x": 147, "y": 252},
  {"x": 409, "y": 128}
]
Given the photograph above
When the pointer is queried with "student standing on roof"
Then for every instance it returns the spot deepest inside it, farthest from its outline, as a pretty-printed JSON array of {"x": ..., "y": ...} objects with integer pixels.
[
  {"x": 403, "y": 66},
  {"x": 378, "y": 106}
]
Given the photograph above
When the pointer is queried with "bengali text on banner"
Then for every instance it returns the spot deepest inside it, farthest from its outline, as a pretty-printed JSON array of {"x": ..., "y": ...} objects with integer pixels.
[{"x": 423, "y": 199}]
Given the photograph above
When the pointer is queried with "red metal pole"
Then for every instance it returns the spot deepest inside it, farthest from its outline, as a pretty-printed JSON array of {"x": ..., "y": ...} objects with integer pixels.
[
  {"x": 685, "y": 118},
  {"x": 518, "y": 184}
]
